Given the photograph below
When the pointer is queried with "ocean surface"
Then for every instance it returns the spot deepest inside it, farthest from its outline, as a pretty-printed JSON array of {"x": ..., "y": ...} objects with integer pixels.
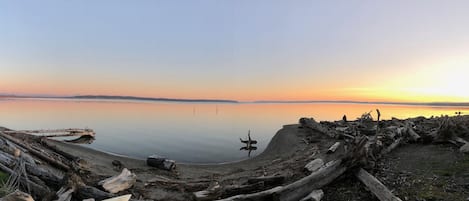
[{"x": 185, "y": 132}]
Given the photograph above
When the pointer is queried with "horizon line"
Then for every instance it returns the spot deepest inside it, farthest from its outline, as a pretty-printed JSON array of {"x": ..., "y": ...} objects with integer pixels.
[{"x": 120, "y": 97}]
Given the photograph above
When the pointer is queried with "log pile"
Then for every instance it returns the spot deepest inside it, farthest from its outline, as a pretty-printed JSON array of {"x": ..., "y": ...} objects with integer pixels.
[
  {"x": 48, "y": 174},
  {"x": 364, "y": 141}
]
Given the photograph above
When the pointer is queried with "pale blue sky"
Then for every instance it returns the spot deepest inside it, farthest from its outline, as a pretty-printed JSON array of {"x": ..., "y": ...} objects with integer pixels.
[{"x": 224, "y": 49}]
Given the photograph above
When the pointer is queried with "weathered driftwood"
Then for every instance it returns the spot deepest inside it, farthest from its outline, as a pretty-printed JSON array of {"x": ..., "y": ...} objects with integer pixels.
[
  {"x": 17, "y": 196},
  {"x": 313, "y": 125},
  {"x": 231, "y": 190},
  {"x": 37, "y": 190},
  {"x": 36, "y": 153},
  {"x": 333, "y": 148},
  {"x": 56, "y": 132},
  {"x": 375, "y": 186},
  {"x": 85, "y": 192},
  {"x": 464, "y": 148},
  {"x": 268, "y": 180},
  {"x": 391, "y": 147},
  {"x": 120, "y": 198},
  {"x": 120, "y": 182},
  {"x": 211, "y": 193},
  {"x": 412, "y": 134},
  {"x": 314, "y": 165},
  {"x": 46, "y": 142},
  {"x": 64, "y": 194},
  {"x": 260, "y": 196},
  {"x": 316, "y": 195},
  {"x": 299, "y": 189}
]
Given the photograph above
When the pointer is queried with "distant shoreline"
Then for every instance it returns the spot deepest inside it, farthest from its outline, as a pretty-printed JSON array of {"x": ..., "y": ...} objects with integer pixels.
[{"x": 136, "y": 98}]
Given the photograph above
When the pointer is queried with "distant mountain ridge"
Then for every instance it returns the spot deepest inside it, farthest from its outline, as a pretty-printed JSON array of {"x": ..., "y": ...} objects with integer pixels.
[
  {"x": 106, "y": 97},
  {"x": 151, "y": 99}
]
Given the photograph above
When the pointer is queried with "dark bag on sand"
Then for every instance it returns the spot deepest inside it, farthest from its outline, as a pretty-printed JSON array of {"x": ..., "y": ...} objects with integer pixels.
[{"x": 161, "y": 162}]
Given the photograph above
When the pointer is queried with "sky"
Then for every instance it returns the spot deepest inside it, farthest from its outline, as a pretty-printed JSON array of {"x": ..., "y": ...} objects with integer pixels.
[{"x": 416, "y": 51}]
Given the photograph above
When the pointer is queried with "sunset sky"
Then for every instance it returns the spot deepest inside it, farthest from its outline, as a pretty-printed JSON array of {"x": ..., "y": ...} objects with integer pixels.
[{"x": 243, "y": 50}]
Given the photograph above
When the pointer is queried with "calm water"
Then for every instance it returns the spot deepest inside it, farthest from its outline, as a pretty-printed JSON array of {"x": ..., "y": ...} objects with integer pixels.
[{"x": 186, "y": 132}]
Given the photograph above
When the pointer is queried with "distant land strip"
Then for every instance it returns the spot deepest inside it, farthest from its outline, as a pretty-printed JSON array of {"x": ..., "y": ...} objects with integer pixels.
[
  {"x": 463, "y": 104},
  {"x": 105, "y": 97}
]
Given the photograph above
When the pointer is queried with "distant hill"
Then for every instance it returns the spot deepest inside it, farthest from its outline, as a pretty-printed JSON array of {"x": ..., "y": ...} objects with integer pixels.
[{"x": 151, "y": 99}]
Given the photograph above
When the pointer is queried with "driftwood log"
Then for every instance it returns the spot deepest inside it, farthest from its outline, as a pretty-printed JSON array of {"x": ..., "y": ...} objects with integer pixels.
[
  {"x": 375, "y": 186},
  {"x": 120, "y": 182},
  {"x": 316, "y": 195},
  {"x": 333, "y": 148},
  {"x": 314, "y": 165}
]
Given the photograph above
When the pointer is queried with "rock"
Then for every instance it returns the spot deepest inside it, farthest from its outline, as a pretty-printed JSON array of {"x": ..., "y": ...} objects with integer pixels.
[
  {"x": 161, "y": 162},
  {"x": 465, "y": 148},
  {"x": 120, "y": 182},
  {"x": 314, "y": 165},
  {"x": 18, "y": 196}
]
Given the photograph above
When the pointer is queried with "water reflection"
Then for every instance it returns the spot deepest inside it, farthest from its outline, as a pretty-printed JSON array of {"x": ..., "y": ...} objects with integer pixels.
[
  {"x": 185, "y": 132},
  {"x": 249, "y": 144}
]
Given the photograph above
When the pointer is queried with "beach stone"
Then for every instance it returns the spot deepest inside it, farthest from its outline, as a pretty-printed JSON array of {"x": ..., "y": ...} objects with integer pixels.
[{"x": 161, "y": 162}]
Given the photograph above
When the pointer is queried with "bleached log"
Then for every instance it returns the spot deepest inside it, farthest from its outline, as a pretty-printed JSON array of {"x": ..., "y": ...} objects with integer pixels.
[
  {"x": 464, "y": 148},
  {"x": 64, "y": 194},
  {"x": 120, "y": 182},
  {"x": 391, "y": 147},
  {"x": 268, "y": 181},
  {"x": 120, "y": 198},
  {"x": 412, "y": 134},
  {"x": 211, "y": 193},
  {"x": 299, "y": 189},
  {"x": 39, "y": 154},
  {"x": 375, "y": 186},
  {"x": 333, "y": 148},
  {"x": 316, "y": 195},
  {"x": 232, "y": 190},
  {"x": 314, "y": 165},
  {"x": 57, "y": 132},
  {"x": 263, "y": 195}
]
